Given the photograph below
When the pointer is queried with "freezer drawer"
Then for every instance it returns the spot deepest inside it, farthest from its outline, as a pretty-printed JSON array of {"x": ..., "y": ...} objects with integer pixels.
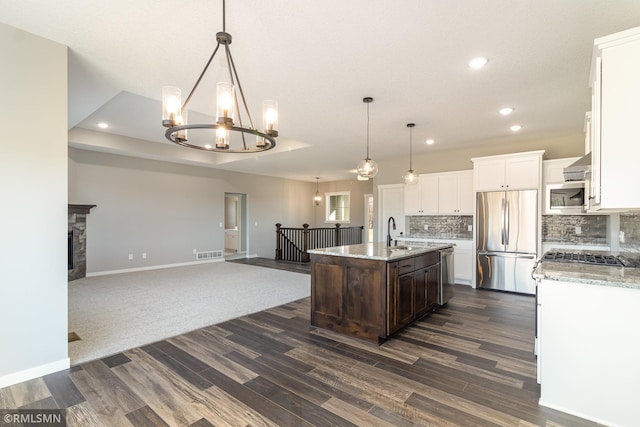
[{"x": 506, "y": 272}]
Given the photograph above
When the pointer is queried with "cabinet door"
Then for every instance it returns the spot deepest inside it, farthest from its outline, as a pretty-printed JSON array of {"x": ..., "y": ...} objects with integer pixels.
[
  {"x": 429, "y": 193},
  {"x": 405, "y": 306},
  {"x": 448, "y": 194},
  {"x": 412, "y": 201},
  {"x": 433, "y": 278},
  {"x": 489, "y": 174},
  {"x": 522, "y": 172},
  {"x": 420, "y": 299},
  {"x": 465, "y": 193},
  {"x": 463, "y": 265},
  {"x": 620, "y": 127}
]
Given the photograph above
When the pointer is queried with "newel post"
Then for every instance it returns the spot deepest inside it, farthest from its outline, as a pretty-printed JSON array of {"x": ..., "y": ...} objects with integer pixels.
[
  {"x": 338, "y": 235},
  {"x": 278, "y": 238},
  {"x": 305, "y": 243}
]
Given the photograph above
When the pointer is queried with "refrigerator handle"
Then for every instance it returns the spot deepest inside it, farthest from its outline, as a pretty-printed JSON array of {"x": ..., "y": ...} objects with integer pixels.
[
  {"x": 502, "y": 215},
  {"x": 506, "y": 222}
]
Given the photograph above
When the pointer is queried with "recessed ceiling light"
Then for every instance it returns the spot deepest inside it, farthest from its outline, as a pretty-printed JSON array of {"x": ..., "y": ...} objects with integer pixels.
[
  {"x": 103, "y": 125},
  {"x": 429, "y": 141},
  {"x": 506, "y": 111},
  {"x": 478, "y": 62},
  {"x": 516, "y": 128}
]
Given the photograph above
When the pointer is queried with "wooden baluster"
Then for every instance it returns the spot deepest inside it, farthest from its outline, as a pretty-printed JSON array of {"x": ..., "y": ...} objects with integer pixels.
[{"x": 305, "y": 243}]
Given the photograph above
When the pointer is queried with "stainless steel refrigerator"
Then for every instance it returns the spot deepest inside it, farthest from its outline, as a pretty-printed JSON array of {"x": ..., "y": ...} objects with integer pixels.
[{"x": 506, "y": 240}]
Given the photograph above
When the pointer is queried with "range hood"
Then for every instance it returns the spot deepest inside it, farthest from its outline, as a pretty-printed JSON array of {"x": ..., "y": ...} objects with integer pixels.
[{"x": 578, "y": 170}]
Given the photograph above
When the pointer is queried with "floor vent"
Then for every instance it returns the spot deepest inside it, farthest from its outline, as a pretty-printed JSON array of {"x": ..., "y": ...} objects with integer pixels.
[{"x": 201, "y": 256}]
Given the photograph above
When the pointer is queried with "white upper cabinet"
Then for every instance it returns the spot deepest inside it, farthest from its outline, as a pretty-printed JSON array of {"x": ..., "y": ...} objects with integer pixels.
[
  {"x": 615, "y": 122},
  {"x": 518, "y": 171},
  {"x": 422, "y": 198},
  {"x": 455, "y": 193}
]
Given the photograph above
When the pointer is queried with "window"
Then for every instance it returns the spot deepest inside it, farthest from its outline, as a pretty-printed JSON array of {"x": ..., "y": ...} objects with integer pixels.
[{"x": 337, "y": 207}]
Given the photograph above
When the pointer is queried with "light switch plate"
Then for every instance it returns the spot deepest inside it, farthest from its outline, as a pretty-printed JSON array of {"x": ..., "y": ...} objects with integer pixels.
[{"x": 469, "y": 227}]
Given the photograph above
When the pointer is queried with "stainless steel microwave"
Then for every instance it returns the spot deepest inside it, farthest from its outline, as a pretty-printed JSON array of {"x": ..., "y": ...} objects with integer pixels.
[{"x": 565, "y": 198}]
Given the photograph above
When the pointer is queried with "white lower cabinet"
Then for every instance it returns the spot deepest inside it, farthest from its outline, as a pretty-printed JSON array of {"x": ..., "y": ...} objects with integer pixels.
[
  {"x": 463, "y": 263},
  {"x": 588, "y": 352}
]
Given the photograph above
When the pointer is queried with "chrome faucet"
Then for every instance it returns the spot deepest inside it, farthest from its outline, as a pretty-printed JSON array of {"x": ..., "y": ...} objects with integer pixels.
[{"x": 389, "y": 221}]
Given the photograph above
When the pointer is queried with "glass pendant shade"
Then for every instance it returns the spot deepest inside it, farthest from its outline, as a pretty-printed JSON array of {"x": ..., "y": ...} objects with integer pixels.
[
  {"x": 171, "y": 105},
  {"x": 270, "y": 117},
  {"x": 410, "y": 177},
  {"x": 367, "y": 168},
  {"x": 181, "y": 135},
  {"x": 225, "y": 102},
  {"x": 222, "y": 139}
]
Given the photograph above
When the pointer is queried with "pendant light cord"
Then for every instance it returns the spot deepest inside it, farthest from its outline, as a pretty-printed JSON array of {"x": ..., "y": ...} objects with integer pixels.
[
  {"x": 367, "y": 131},
  {"x": 411, "y": 148}
]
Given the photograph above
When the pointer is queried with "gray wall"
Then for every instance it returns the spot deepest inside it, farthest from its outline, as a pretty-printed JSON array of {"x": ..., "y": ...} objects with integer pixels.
[
  {"x": 167, "y": 209},
  {"x": 357, "y": 190},
  {"x": 33, "y": 218},
  {"x": 390, "y": 171}
]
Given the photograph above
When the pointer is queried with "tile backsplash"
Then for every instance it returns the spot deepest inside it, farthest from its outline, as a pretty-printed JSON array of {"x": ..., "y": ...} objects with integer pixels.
[
  {"x": 441, "y": 227},
  {"x": 591, "y": 229},
  {"x": 630, "y": 232}
]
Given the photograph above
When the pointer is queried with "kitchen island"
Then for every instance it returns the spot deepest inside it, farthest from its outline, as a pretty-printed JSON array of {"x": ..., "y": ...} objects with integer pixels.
[
  {"x": 588, "y": 347},
  {"x": 370, "y": 291}
]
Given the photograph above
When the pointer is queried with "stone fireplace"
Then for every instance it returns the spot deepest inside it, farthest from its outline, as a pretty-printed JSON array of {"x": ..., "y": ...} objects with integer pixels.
[{"x": 77, "y": 240}]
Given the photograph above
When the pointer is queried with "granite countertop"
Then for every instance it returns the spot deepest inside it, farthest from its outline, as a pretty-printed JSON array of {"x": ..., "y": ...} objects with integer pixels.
[
  {"x": 438, "y": 239},
  {"x": 590, "y": 274},
  {"x": 378, "y": 251}
]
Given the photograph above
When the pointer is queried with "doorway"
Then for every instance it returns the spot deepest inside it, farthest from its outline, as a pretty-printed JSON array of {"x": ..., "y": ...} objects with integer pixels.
[
  {"x": 235, "y": 225},
  {"x": 369, "y": 219}
]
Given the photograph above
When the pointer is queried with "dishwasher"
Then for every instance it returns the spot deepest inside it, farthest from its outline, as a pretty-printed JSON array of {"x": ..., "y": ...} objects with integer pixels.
[{"x": 447, "y": 277}]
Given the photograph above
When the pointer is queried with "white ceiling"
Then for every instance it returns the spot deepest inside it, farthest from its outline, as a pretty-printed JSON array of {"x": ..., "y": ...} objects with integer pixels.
[{"x": 318, "y": 59}]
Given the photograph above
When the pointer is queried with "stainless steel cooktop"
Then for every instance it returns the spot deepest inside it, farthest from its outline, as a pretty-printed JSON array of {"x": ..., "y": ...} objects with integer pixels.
[{"x": 592, "y": 258}]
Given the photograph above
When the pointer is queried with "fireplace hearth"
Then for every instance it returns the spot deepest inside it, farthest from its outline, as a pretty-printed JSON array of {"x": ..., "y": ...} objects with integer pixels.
[{"x": 77, "y": 241}]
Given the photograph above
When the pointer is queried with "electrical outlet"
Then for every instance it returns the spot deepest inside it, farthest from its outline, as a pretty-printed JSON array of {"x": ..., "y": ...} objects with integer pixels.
[
  {"x": 220, "y": 225},
  {"x": 578, "y": 230},
  {"x": 194, "y": 251},
  {"x": 426, "y": 227},
  {"x": 469, "y": 227},
  {"x": 130, "y": 257},
  {"x": 621, "y": 237},
  {"x": 144, "y": 255},
  {"x": 256, "y": 223}
]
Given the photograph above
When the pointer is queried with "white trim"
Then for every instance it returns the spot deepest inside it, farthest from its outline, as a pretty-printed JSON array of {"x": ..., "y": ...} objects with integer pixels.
[
  {"x": 35, "y": 372},
  {"x": 152, "y": 267},
  {"x": 577, "y": 414}
]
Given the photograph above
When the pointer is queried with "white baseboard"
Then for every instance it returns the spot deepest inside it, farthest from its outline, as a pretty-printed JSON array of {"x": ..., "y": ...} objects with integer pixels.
[
  {"x": 577, "y": 414},
  {"x": 152, "y": 267},
  {"x": 35, "y": 372}
]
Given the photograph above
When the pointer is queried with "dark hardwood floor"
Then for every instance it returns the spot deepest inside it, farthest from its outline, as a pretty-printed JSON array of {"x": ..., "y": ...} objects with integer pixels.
[{"x": 467, "y": 364}]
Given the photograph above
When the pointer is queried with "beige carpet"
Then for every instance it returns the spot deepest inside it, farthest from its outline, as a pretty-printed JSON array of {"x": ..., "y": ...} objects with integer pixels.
[{"x": 122, "y": 311}]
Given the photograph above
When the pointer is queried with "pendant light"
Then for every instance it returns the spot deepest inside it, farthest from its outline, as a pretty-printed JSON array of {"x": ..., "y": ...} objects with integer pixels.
[
  {"x": 410, "y": 177},
  {"x": 230, "y": 104},
  {"x": 367, "y": 168},
  {"x": 317, "y": 199}
]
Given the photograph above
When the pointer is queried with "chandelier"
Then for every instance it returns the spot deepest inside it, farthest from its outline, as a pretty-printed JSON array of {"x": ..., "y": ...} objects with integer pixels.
[
  {"x": 410, "y": 177},
  {"x": 229, "y": 112},
  {"x": 367, "y": 168}
]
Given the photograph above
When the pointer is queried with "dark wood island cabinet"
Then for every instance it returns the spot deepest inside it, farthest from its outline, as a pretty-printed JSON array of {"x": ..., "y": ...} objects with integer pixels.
[{"x": 370, "y": 291}]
